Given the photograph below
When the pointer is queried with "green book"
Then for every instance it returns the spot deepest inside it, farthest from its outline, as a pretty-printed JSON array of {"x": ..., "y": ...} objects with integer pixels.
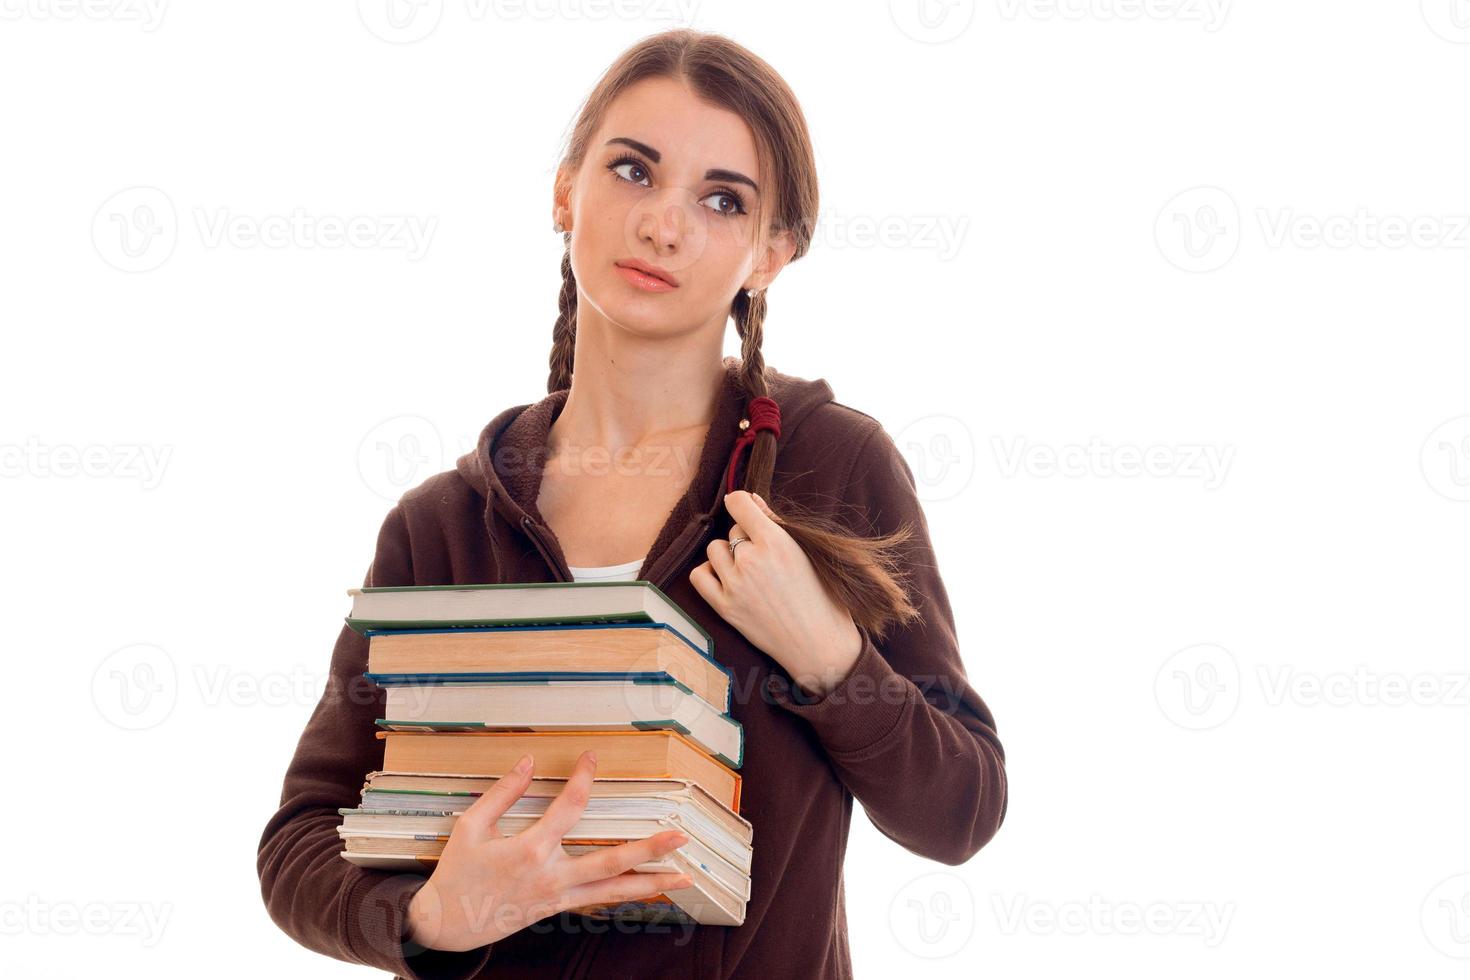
[{"x": 401, "y": 607}]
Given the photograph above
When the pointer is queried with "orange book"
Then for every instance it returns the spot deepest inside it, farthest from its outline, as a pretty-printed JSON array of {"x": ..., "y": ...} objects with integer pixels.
[{"x": 654, "y": 754}]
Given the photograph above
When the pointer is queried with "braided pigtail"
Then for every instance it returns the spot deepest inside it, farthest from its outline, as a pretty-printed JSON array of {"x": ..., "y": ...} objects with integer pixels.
[
  {"x": 564, "y": 333},
  {"x": 865, "y": 576}
]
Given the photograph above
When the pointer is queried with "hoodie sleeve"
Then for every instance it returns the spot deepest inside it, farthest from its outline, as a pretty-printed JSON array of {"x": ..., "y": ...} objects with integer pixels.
[
  {"x": 322, "y": 901},
  {"x": 907, "y": 735}
]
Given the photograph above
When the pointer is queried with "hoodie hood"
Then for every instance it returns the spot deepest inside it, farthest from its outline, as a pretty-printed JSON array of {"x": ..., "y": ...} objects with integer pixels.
[{"x": 506, "y": 465}]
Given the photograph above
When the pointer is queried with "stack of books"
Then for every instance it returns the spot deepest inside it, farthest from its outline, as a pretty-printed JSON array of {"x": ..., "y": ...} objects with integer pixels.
[{"x": 476, "y": 676}]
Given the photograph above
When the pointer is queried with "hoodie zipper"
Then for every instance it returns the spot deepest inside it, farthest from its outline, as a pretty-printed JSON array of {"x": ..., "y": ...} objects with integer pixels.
[
  {"x": 563, "y": 574},
  {"x": 695, "y": 533}
]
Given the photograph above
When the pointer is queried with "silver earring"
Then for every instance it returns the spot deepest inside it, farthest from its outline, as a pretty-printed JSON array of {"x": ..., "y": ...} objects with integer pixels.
[{"x": 558, "y": 228}]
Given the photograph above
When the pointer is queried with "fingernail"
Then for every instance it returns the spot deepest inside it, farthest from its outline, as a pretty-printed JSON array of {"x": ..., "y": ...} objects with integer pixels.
[
  {"x": 758, "y": 498},
  {"x": 524, "y": 765},
  {"x": 592, "y": 756}
]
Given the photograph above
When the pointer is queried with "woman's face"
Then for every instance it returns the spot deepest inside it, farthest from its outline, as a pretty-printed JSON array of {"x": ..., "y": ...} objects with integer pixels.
[{"x": 669, "y": 181}]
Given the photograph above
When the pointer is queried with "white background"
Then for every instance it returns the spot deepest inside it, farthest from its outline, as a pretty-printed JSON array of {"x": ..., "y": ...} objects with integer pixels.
[{"x": 1055, "y": 240}]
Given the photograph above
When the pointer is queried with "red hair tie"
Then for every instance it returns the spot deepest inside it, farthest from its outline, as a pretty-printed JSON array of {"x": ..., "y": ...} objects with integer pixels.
[{"x": 764, "y": 416}]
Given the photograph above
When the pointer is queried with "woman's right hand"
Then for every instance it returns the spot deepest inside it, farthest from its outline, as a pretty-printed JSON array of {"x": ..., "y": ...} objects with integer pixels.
[{"x": 487, "y": 886}]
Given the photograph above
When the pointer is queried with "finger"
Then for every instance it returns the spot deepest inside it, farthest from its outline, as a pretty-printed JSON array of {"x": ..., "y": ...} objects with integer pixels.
[
  {"x": 710, "y": 589},
  {"x": 482, "y": 815},
  {"x": 609, "y": 862},
  {"x": 625, "y": 888},
  {"x": 720, "y": 558},
  {"x": 564, "y": 811},
  {"x": 749, "y": 516}
]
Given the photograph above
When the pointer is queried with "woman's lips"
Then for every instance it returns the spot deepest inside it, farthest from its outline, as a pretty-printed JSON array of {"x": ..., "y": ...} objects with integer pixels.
[{"x": 643, "y": 280}]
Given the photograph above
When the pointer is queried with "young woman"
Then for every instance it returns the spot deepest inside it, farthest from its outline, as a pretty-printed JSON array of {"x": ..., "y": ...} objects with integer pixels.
[{"x": 783, "y": 520}]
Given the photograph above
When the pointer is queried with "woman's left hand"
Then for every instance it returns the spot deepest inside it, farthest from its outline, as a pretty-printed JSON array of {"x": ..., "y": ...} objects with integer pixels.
[{"x": 770, "y": 592}]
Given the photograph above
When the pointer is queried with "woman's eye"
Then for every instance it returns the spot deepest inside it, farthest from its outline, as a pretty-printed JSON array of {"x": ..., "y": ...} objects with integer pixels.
[
  {"x": 736, "y": 205},
  {"x": 618, "y": 167}
]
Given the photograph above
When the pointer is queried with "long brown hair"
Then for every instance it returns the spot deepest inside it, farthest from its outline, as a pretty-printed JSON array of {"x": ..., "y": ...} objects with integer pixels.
[{"x": 862, "y": 574}]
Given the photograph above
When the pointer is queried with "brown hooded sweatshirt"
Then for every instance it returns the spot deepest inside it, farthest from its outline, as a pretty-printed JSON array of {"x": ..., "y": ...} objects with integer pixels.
[{"x": 904, "y": 732}]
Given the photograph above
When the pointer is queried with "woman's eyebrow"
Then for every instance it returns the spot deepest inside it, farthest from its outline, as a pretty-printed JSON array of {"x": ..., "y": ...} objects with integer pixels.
[{"x": 716, "y": 174}]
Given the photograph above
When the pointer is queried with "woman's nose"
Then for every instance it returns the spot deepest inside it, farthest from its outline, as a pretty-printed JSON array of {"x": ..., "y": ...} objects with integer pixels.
[{"x": 664, "y": 219}]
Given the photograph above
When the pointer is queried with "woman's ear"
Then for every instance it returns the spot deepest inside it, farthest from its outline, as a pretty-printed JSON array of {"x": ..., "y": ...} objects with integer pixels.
[
  {"x": 779, "y": 247},
  {"x": 561, "y": 200}
]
